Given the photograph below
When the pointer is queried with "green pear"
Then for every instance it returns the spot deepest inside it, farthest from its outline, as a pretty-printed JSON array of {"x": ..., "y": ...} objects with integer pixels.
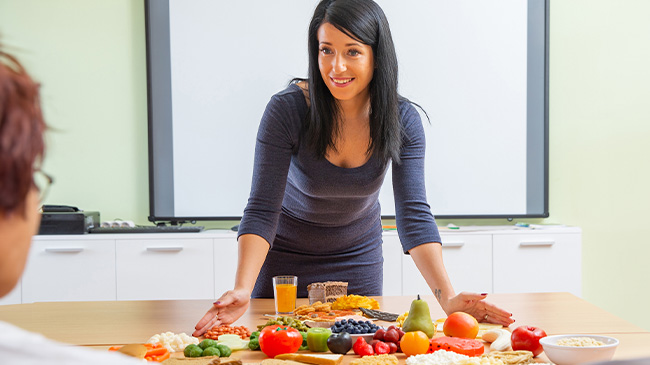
[{"x": 419, "y": 318}]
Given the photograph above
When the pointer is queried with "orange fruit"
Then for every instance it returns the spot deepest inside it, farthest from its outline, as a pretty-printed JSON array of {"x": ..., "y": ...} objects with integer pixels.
[
  {"x": 460, "y": 324},
  {"x": 414, "y": 343}
]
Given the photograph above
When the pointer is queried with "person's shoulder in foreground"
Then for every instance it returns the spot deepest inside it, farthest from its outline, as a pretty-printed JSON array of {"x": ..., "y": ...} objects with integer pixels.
[{"x": 18, "y": 346}]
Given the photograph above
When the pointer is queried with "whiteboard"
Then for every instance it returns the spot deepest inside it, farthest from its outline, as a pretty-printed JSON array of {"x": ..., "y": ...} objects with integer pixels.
[{"x": 478, "y": 68}]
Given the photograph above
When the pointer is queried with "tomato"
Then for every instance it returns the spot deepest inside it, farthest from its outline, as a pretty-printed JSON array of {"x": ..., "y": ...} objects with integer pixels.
[
  {"x": 414, "y": 343},
  {"x": 462, "y": 346},
  {"x": 527, "y": 338},
  {"x": 276, "y": 340},
  {"x": 460, "y": 324}
]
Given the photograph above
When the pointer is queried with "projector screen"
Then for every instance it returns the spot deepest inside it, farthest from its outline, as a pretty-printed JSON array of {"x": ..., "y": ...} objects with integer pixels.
[{"x": 479, "y": 68}]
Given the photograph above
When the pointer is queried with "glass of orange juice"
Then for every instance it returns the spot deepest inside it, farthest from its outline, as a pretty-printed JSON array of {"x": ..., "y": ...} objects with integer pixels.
[{"x": 285, "y": 290}]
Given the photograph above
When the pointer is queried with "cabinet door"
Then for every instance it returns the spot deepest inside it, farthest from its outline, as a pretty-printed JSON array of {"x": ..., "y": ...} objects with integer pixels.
[
  {"x": 225, "y": 264},
  {"x": 165, "y": 268},
  {"x": 537, "y": 263},
  {"x": 14, "y": 296},
  {"x": 392, "y": 251},
  {"x": 75, "y": 270},
  {"x": 468, "y": 260}
]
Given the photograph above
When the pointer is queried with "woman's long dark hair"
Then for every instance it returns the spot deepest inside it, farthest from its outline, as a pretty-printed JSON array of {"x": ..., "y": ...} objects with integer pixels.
[{"x": 364, "y": 21}]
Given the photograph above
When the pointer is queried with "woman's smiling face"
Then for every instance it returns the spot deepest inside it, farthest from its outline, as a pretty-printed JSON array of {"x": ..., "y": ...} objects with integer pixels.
[{"x": 346, "y": 65}]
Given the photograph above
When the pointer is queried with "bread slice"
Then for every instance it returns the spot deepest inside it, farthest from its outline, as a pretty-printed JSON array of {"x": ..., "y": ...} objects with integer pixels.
[{"x": 316, "y": 359}]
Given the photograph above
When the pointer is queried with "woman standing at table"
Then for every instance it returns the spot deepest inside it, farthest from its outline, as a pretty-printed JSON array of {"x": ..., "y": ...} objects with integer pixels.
[
  {"x": 323, "y": 148},
  {"x": 22, "y": 186}
]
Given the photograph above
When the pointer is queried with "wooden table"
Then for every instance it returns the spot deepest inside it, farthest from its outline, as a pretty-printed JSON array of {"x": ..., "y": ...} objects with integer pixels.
[{"x": 104, "y": 324}]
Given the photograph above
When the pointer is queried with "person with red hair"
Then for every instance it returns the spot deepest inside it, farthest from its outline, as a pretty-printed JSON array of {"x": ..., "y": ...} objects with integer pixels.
[{"x": 22, "y": 188}]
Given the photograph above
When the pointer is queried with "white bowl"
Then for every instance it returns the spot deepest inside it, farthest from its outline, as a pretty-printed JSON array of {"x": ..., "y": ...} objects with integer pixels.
[{"x": 569, "y": 355}]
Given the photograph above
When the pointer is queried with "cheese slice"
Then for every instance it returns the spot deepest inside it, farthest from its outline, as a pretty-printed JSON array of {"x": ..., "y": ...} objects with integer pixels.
[{"x": 316, "y": 359}]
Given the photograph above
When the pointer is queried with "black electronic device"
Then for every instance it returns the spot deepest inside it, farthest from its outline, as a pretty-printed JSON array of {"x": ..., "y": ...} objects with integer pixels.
[
  {"x": 49, "y": 208},
  {"x": 67, "y": 221},
  {"x": 147, "y": 229}
]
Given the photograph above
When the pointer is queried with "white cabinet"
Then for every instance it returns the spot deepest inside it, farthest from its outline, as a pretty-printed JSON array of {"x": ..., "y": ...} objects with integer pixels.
[
  {"x": 537, "y": 263},
  {"x": 225, "y": 264},
  {"x": 169, "y": 267},
  {"x": 468, "y": 260},
  {"x": 63, "y": 269},
  {"x": 14, "y": 296},
  {"x": 203, "y": 265},
  {"x": 392, "y": 251}
]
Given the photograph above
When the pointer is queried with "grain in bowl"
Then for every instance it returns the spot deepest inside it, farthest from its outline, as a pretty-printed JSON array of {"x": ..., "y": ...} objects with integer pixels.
[{"x": 579, "y": 342}]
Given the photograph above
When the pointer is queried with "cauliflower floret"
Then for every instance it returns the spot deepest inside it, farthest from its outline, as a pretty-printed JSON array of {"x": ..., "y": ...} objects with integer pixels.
[{"x": 173, "y": 342}]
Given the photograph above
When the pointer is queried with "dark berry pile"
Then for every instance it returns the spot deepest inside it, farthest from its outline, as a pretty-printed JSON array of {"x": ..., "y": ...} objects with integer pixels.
[{"x": 354, "y": 327}]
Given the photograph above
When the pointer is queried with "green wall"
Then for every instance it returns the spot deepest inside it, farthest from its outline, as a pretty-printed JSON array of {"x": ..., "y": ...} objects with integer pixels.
[{"x": 89, "y": 56}]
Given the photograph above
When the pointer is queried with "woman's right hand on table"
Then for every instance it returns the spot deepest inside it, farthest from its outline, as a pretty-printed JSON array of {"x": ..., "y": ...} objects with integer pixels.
[{"x": 226, "y": 310}]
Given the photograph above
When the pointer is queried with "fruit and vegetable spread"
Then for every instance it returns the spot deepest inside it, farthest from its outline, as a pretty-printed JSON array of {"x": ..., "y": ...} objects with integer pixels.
[{"x": 413, "y": 334}]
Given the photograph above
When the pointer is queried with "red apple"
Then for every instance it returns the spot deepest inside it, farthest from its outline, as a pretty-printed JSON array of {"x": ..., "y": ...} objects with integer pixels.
[{"x": 527, "y": 338}]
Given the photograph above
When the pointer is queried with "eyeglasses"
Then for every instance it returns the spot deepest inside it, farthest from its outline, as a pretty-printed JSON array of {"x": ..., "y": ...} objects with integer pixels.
[{"x": 42, "y": 181}]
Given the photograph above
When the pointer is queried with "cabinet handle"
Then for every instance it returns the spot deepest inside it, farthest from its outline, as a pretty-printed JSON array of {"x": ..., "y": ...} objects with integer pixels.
[
  {"x": 64, "y": 249},
  {"x": 537, "y": 244},
  {"x": 453, "y": 244},
  {"x": 165, "y": 249}
]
